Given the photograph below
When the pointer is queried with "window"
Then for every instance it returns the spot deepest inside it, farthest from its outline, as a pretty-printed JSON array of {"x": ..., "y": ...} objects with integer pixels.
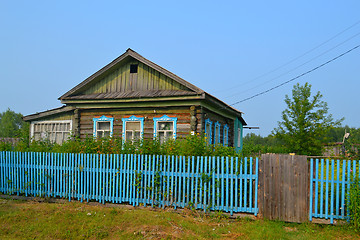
[
  {"x": 165, "y": 128},
  {"x": 208, "y": 133},
  {"x": 217, "y": 133},
  {"x": 103, "y": 127},
  {"x": 239, "y": 138},
  {"x": 54, "y": 131},
  {"x": 226, "y": 135},
  {"x": 133, "y": 68},
  {"x": 133, "y": 128}
]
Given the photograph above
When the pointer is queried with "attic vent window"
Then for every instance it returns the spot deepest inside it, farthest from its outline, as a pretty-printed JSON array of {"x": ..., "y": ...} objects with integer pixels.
[{"x": 133, "y": 68}]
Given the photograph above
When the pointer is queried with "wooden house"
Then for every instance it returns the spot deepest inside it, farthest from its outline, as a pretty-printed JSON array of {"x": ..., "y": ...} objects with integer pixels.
[{"x": 133, "y": 98}]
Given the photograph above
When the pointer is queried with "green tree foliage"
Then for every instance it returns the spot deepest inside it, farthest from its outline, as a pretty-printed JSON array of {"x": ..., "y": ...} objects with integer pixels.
[
  {"x": 352, "y": 144},
  {"x": 254, "y": 145},
  {"x": 11, "y": 124},
  {"x": 306, "y": 122},
  {"x": 337, "y": 134}
]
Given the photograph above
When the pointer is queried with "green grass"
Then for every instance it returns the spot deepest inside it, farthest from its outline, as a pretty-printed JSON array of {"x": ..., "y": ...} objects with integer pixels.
[{"x": 34, "y": 220}]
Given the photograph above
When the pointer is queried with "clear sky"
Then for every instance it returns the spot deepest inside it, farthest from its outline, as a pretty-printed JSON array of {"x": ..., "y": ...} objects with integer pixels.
[{"x": 231, "y": 49}]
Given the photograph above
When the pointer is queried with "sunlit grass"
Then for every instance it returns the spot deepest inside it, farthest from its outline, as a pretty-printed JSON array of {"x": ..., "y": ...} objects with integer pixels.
[{"x": 34, "y": 220}]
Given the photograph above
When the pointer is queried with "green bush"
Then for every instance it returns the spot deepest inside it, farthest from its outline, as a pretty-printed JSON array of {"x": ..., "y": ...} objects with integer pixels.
[
  {"x": 353, "y": 206},
  {"x": 191, "y": 145},
  {"x": 5, "y": 146}
]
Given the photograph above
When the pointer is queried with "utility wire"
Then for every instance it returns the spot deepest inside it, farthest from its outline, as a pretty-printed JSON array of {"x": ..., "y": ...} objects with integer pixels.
[
  {"x": 293, "y": 60},
  {"x": 274, "y": 78},
  {"x": 299, "y": 76}
]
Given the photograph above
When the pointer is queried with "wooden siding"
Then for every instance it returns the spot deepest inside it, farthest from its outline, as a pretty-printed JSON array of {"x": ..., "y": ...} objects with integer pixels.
[
  {"x": 121, "y": 80},
  {"x": 181, "y": 113}
]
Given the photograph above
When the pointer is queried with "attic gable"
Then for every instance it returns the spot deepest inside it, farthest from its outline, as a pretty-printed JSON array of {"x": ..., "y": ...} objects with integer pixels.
[{"x": 131, "y": 75}]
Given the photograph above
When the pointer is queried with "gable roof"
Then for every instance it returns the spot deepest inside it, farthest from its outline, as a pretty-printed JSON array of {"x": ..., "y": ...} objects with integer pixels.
[
  {"x": 130, "y": 54},
  {"x": 186, "y": 89}
]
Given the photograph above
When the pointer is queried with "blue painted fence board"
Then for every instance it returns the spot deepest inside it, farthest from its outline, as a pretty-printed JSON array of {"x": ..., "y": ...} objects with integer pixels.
[
  {"x": 328, "y": 190},
  {"x": 208, "y": 183}
]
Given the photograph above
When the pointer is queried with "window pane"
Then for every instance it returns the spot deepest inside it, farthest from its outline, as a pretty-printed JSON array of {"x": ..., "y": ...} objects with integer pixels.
[
  {"x": 52, "y": 136},
  {"x": 137, "y": 135},
  {"x": 99, "y": 134},
  {"x": 36, "y": 127},
  {"x": 128, "y": 135},
  {"x": 104, "y": 125},
  {"x": 161, "y": 137},
  {"x": 106, "y": 133},
  {"x": 169, "y": 135},
  {"x": 59, "y": 138},
  {"x": 165, "y": 125},
  {"x": 43, "y": 135},
  {"x": 133, "y": 126},
  {"x": 37, "y": 136},
  {"x": 66, "y": 136}
]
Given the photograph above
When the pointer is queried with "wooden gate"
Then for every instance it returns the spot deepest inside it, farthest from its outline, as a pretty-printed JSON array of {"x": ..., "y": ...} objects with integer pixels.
[{"x": 283, "y": 191}]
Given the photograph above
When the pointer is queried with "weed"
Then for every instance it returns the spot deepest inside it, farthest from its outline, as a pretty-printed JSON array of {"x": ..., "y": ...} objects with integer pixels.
[{"x": 353, "y": 205}]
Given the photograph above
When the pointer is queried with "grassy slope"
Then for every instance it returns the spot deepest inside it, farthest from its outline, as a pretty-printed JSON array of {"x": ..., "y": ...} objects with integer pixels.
[{"x": 33, "y": 220}]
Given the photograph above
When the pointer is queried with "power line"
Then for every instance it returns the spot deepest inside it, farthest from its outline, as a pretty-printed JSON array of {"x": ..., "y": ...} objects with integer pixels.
[
  {"x": 299, "y": 76},
  {"x": 291, "y": 70},
  {"x": 294, "y": 59}
]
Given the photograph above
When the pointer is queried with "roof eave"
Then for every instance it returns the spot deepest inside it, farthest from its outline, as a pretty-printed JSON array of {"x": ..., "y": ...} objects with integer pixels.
[
  {"x": 222, "y": 105},
  {"x": 47, "y": 113}
]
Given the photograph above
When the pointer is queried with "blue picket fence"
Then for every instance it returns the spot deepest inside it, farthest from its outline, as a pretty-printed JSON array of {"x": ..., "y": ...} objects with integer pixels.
[
  {"x": 209, "y": 183},
  {"x": 329, "y": 185}
]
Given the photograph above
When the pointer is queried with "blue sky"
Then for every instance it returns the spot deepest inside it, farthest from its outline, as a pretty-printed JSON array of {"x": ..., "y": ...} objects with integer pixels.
[{"x": 231, "y": 49}]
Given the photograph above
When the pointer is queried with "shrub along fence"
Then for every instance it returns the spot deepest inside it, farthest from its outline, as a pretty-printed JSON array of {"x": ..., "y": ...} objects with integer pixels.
[{"x": 210, "y": 183}]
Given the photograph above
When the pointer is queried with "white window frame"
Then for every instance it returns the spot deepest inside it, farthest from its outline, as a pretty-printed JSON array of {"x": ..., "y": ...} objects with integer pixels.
[
  {"x": 32, "y": 127},
  {"x": 133, "y": 119},
  {"x": 103, "y": 118},
  {"x": 165, "y": 118}
]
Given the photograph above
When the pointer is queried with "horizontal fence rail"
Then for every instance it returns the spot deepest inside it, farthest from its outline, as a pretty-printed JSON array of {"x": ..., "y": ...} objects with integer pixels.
[
  {"x": 210, "y": 183},
  {"x": 330, "y": 182}
]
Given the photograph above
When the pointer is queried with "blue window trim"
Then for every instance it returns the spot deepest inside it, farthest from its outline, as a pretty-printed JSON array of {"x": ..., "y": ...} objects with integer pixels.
[
  {"x": 133, "y": 119},
  {"x": 165, "y": 118},
  {"x": 208, "y": 132},
  {"x": 226, "y": 135},
  {"x": 217, "y": 131},
  {"x": 103, "y": 119}
]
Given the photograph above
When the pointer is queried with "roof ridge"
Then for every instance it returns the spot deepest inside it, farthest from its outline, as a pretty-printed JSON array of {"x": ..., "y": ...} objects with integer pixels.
[{"x": 130, "y": 52}]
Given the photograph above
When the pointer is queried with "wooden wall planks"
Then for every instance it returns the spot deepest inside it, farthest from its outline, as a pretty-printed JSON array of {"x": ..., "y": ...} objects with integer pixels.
[
  {"x": 181, "y": 113},
  {"x": 121, "y": 80}
]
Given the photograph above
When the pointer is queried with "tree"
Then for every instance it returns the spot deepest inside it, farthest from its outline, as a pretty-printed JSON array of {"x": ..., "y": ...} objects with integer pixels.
[
  {"x": 306, "y": 122},
  {"x": 11, "y": 123}
]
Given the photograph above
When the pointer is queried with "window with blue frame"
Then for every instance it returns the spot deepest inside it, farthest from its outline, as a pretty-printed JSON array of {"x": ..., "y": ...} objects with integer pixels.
[
  {"x": 103, "y": 127},
  {"x": 217, "y": 133},
  {"x": 208, "y": 132},
  {"x": 133, "y": 128},
  {"x": 165, "y": 128},
  {"x": 226, "y": 135}
]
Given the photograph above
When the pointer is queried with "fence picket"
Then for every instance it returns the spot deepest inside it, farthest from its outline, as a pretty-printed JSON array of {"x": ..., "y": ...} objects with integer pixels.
[{"x": 207, "y": 183}]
